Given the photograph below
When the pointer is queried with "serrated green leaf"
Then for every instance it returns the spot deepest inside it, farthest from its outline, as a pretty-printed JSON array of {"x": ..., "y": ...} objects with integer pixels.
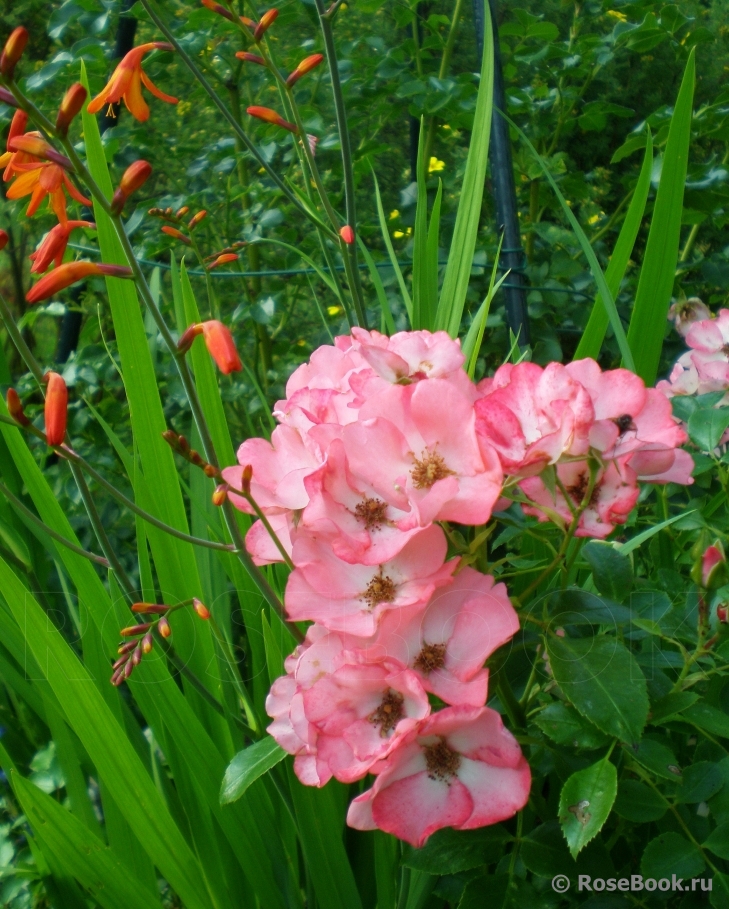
[
  {"x": 670, "y": 854},
  {"x": 639, "y": 803},
  {"x": 585, "y": 803},
  {"x": 247, "y": 766},
  {"x": 612, "y": 570},
  {"x": 565, "y": 726},
  {"x": 718, "y": 841},
  {"x": 706, "y": 427},
  {"x": 700, "y": 781},
  {"x": 603, "y": 681}
]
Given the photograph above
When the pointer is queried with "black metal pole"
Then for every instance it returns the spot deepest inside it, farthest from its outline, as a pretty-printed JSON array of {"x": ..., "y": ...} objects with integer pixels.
[
  {"x": 73, "y": 318},
  {"x": 504, "y": 188}
]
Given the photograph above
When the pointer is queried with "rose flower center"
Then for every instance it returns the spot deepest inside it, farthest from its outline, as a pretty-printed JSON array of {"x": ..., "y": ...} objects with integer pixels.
[
  {"x": 442, "y": 762},
  {"x": 430, "y": 658},
  {"x": 625, "y": 423},
  {"x": 429, "y": 469},
  {"x": 372, "y": 513},
  {"x": 381, "y": 589},
  {"x": 389, "y": 713}
]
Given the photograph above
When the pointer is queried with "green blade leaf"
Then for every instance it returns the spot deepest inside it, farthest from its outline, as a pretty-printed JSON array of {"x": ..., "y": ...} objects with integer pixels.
[
  {"x": 379, "y": 287},
  {"x": 460, "y": 258},
  {"x": 603, "y": 681},
  {"x": 391, "y": 252},
  {"x": 604, "y": 291},
  {"x": 655, "y": 285},
  {"x": 247, "y": 766},
  {"x": 585, "y": 803},
  {"x": 594, "y": 333},
  {"x": 82, "y": 854}
]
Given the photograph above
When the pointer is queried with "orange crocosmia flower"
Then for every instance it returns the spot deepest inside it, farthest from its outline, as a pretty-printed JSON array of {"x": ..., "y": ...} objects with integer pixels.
[
  {"x": 53, "y": 246},
  {"x": 39, "y": 179},
  {"x": 126, "y": 83}
]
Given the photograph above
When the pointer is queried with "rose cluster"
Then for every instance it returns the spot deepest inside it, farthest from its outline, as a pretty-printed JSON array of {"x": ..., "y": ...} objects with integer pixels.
[
  {"x": 381, "y": 442},
  {"x": 704, "y": 367}
]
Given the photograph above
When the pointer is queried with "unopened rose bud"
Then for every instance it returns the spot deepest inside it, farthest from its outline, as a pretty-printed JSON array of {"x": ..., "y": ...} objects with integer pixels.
[
  {"x": 306, "y": 66},
  {"x": 164, "y": 628},
  {"x": 246, "y": 478},
  {"x": 217, "y": 8},
  {"x": 15, "y": 408},
  {"x": 722, "y": 614},
  {"x": 175, "y": 233},
  {"x": 147, "y": 643},
  {"x": 224, "y": 259},
  {"x": 13, "y": 51},
  {"x": 270, "y": 116},
  {"x": 266, "y": 21},
  {"x": 710, "y": 571},
  {"x": 221, "y": 346},
  {"x": 135, "y": 629},
  {"x": 220, "y": 495},
  {"x": 56, "y": 408},
  {"x": 347, "y": 234},
  {"x": 200, "y": 608},
  {"x": 250, "y": 58},
  {"x": 71, "y": 105},
  {"x": 196, "y": 219}
]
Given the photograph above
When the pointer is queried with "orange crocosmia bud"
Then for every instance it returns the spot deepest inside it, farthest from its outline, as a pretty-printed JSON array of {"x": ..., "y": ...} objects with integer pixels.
[
  {"x": 249, "y": 23},
  {"x": 250, "y": 58},
  {"x": 71, "y": 272},
  {"x": 56, "y": 408},
  {"x": 13, "y": 51},
  {"x": 18, "y": 125},
  {"x": 15, "y": 408},
  {"x": 135, "y": 176},
  {"x": 126, "y": 84},
  {"x": 186, "y": 339},
  {"x": 71, "y": 105},
  {"x": 220, "y": 494},
  {"x": 221, "y": 346},
  {"x": 306, "y": 66},
  {"x": 181, "y": 212},
  {"x": 347, "y": 234},
  {"x": 164, "y": 627},
  {"x": 267, "y": 20},
  {"x": 196, "y": 219},
  {"x": 217, "y": 8},
  {"x": 200, "y": 608},
  {"x": 135, "y": 629},
  {"x": 270, "y": 116},
  {"x": 147, "y": 643},
  {"x": 223, "y": 259},
  {"x": 3, "y": 239},
  {"x": 38, "y": 148},
  {"x": 246, "y": 477},
  {"x": 53, "y": 245},
  {"x": 174, "y": 232}
]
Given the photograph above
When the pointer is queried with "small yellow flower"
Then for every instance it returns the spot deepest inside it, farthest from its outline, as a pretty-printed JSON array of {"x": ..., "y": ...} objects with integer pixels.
[
  {"x": 435, "y": 166},
  {"x": 394, "y": 214},
  {"x": 593, "y": 219},
  {"x": 183, "y": 107},
  {"x": 445, "y": 126},
  {"x": 334, "y": 310},
  {"x": 301, "y": 343},
  {"x": 614, "y": 14},
  {"x": 397, "y": 234}
]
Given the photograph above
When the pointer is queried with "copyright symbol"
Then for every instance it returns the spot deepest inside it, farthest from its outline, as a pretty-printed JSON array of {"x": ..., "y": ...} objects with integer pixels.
[{"x": 560, "y": 883}]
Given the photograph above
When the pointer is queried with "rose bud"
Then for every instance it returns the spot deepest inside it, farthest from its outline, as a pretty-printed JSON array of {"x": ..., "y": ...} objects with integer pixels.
[
  {"x": 306, "y": 66},
  {"x": 347, "y": 234},
  {"x": 270, "y": 116},
  {"x": 71, "y": 272},
  {"x": 3, "y": 239},
  {"x": 56, "y": 408},
  {"x": 267, "y": 20},
  {"x": 15, "y": 408},
  {"x": 13, "y": 51},
  {"x": 72, "y": 103},
  {"x": 710, "y": 571}
]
